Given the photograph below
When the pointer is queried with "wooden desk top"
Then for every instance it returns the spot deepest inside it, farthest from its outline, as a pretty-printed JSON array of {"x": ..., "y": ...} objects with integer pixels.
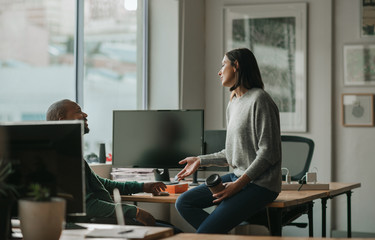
[
  {"x": 153, "y": 233},
  {"x": 285, "y": 198},
  {"x": 147, "y": 197},
  {"x": 292, "y": 198},
  {"x": 336, "y": 188},
  {"x": 193, "y": 236}
]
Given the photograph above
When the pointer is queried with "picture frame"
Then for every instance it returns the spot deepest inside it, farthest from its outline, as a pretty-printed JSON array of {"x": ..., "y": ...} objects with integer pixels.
[
  {"x": 359, "y": 65},
  {"x": 367, "y": 21},
  {"x": 357, "y": 109},
  {"x": 276, "y": 34}
]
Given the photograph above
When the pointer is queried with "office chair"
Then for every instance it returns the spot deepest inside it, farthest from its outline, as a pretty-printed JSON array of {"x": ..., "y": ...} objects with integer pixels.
[{"x": 297, "y": 153}]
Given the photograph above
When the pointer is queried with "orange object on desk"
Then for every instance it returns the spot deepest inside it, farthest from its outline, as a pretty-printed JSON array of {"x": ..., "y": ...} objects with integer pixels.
[{"x": 177, "y": 188}]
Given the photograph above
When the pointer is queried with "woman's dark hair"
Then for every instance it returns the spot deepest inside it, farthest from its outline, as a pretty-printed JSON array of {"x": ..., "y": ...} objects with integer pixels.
[{"x": 248, "y": 70}]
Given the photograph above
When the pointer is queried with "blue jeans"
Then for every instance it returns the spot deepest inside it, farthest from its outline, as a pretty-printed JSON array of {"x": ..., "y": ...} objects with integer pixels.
[{"x": 229, "y": 213}]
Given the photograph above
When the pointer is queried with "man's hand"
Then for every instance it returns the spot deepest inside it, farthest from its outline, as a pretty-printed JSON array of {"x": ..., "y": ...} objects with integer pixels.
[
  {"x": 154, "y": 187},
  {"x": 192, "y": 164},
  {"x": 145, "y": 218}
]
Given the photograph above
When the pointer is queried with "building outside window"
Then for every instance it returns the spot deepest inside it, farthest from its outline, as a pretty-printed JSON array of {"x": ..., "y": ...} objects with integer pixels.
[
  {"x": 111, "y": 39},
  {"x": 36, "y": 57}
]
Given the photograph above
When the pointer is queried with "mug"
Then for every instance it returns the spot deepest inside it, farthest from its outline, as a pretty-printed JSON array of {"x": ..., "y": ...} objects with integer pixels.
[{"x": 214, "y": 183}]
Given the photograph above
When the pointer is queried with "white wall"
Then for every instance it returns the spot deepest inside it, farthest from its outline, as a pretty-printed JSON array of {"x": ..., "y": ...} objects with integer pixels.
[
  {"x": 319, "y": 84},
  {"x": 354, "y": 146},
  {"x": 163, "y": 54},
  {"x": 176, "y": 54},
  {"x": 192, "y": 54}
]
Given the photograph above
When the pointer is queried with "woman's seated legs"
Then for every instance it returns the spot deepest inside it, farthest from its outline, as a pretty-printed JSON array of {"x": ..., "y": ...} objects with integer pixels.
[
  {"x": 232, "y": 211},
  {"x": 190, "y": 205}
]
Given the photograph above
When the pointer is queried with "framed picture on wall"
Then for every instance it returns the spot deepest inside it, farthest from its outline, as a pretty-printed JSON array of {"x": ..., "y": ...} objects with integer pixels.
[
  {"x": 358, "y": 109},
  {"x": 367, "y": 18},
  {"x": 359, "y": 65},
  {"x": 276, "y": 34}
]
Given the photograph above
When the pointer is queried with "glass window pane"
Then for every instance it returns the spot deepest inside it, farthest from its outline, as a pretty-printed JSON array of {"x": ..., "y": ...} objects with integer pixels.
[
  {"x": 36, "y": 57},
  {"x": 111, "y": 46}
]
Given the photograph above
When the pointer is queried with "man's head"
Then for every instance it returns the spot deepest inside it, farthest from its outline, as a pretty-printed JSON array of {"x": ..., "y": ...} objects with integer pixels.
[{"x": 67, "y": 110}]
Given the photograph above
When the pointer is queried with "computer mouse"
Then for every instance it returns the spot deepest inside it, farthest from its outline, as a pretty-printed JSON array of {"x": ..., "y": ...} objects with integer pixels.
[{"x": 175, "y": 179}]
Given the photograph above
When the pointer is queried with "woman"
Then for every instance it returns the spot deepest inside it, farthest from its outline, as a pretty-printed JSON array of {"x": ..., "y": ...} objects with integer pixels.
[{"x": 252, "y": 149}]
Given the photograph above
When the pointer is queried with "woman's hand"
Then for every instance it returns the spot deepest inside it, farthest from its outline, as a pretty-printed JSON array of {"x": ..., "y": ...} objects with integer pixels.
[
  {"x": 145, "y": 217},
  {"x": 154, "y": 187},
  {"x": 192, "y": 164},
  {"x": 231, "y": 188}
]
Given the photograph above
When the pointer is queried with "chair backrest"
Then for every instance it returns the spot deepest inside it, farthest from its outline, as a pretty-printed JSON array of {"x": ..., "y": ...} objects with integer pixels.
[
  {"x": 214, "y": 141},
  {"x": 297, "y": 153}
]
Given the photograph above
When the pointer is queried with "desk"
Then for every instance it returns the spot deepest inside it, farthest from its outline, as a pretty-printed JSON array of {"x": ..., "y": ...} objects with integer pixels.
[
  {"x": 336, "y": 189},
  {"x": 285, "y": 200},
  {"x": 281, "y": 210},
  {"x": 193, "y": 236},
  {"x": 153, "y": 233}
]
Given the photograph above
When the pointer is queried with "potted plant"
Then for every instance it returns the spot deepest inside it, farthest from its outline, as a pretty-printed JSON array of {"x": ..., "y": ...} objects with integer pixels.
[
  {"x": 41, "y": 216},
  {"x": 8, "y": 195}
]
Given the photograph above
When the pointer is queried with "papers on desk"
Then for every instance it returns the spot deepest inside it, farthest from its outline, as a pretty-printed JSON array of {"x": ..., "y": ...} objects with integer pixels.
[
  {"x": 133, "y": 174},
  {"x": 120, "y": 232},
  {"x": 104, "y": 231}
]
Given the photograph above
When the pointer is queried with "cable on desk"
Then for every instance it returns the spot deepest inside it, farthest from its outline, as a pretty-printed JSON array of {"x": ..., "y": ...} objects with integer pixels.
[{"x": 301, "y": 181}]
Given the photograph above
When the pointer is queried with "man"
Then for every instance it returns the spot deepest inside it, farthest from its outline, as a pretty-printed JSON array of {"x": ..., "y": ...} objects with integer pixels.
[{"x": 98, "y": 190}]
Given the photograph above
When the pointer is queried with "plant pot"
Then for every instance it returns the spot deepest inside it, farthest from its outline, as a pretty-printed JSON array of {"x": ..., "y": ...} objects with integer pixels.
[
  {"x": 41, "y": 220},
  {"x": 5, "y": 216}
]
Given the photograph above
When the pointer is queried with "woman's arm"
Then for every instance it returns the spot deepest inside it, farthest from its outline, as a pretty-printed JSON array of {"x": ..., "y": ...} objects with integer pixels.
[
  {"x": 214, "y": 159},
  {"x": 267, "y": 132}
]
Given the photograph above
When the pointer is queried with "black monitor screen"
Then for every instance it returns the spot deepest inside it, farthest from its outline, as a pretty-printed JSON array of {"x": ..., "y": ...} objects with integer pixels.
[
  {"x": 214, "y": 141},
  {"x": 48, "y": 153},
  {"x": 156, "y": 139}
]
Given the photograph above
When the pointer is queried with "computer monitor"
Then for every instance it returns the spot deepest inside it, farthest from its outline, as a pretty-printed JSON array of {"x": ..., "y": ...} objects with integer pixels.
[
  {"x": 156, "y": 139},
  {"x": 48, "y": 153}
]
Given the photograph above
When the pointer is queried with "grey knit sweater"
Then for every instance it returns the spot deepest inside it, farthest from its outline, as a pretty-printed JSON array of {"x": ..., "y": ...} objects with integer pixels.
[{"x": 253, "y": 143}]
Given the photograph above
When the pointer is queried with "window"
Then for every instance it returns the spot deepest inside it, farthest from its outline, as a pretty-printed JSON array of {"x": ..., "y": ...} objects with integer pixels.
[
  {"x": 37, "y": 60},
  {"x": 111, "y": 42},
  {"x": 36, "y": 57}
]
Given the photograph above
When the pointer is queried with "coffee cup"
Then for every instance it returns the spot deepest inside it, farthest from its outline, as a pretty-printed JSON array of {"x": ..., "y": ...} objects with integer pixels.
[{"x": 214, "y": 183}]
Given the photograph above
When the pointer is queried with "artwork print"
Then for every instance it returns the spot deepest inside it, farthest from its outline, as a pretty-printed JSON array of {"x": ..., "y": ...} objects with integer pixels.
[
  {"x": 358, "y": 110},
  {"x": 367, "y": 18},
  {"x": 276, "y": 35},
  {"x": 359, "y": 64}
]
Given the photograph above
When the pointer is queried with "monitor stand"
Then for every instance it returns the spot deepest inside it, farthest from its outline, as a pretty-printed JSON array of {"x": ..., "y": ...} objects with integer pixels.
[
  {"x": 163, "y": 176},
  {"x": 195, "y": 179}
]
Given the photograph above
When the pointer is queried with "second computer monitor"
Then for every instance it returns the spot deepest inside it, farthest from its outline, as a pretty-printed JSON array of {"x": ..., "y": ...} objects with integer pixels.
[{"x": 156, "y": 139}]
